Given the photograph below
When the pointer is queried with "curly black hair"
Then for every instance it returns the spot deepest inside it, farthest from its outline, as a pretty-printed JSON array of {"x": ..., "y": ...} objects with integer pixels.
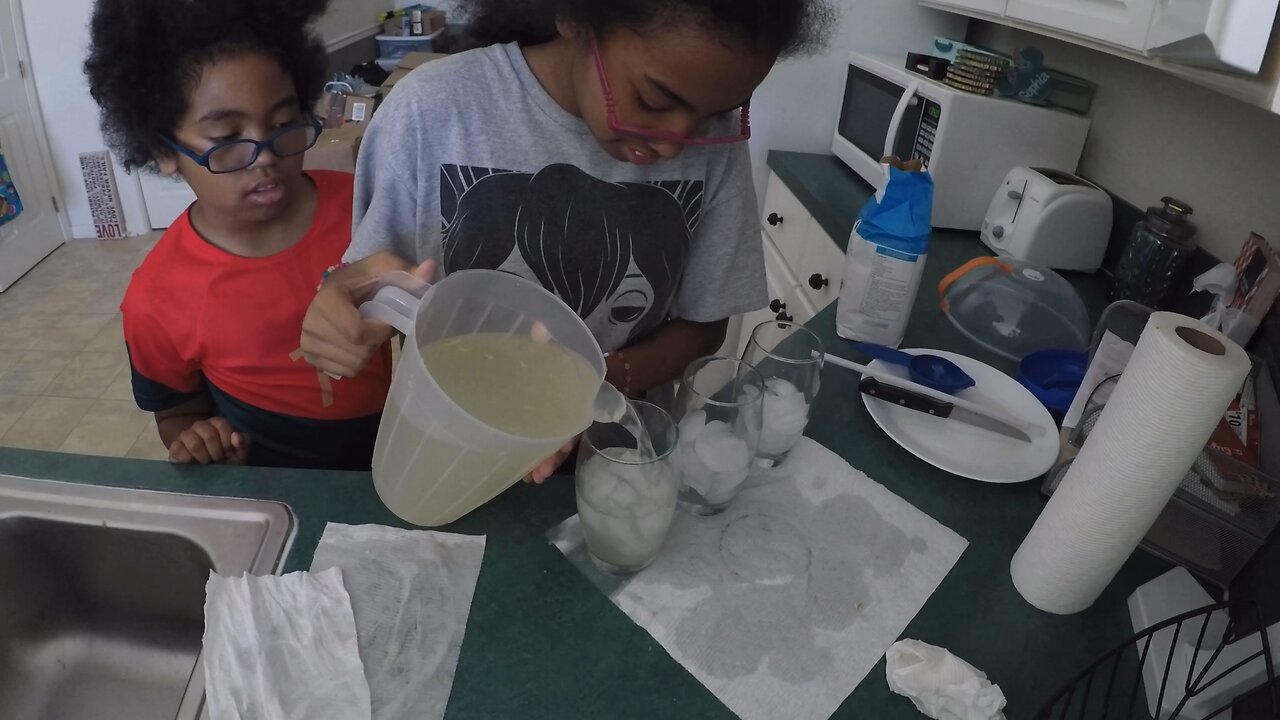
[
  {"x": 785, "y": 27},
  {"x": 146, "y": 56}
]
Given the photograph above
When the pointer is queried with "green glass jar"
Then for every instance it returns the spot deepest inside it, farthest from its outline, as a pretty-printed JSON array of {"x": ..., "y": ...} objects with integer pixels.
[{"x": 1156, "y": 255}]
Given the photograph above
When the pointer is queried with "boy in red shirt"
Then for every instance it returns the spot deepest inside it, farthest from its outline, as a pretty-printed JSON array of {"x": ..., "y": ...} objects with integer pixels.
[{"x": 217, "y": 91}]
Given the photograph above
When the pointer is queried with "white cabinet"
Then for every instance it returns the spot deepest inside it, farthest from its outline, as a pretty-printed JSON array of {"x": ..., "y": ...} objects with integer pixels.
[
  {"x": 1224, "y": 45},
  {"x": 785, "y": 220},
  {"x": 993, "y": 7},
  {"x": 1118, "y": 22},
  {"x": 821, "y": 269},
  {"x": 783, "y": 293},
  {"x": 1217, "y": 34},
  {"x": 803, "y": 266}
]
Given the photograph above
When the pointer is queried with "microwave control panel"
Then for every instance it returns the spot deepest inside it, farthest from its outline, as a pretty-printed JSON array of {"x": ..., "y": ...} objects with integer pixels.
[{"x": 927, "y": 132}]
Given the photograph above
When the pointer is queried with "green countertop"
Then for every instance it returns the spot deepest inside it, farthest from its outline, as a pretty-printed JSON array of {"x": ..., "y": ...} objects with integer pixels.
[{"x": 543, "y": 642}]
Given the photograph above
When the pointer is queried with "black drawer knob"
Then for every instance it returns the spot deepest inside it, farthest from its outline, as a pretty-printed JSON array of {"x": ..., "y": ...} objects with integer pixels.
[
  {"x": 817, "y": 282},
  {"x": 784, "y": 317},
  {"x": 777, "y": 306},
  {"x": 774, "y": 219}
]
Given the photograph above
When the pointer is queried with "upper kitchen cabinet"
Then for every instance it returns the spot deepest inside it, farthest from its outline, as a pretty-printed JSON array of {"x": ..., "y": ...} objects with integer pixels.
[
  {"x": 1224, "y": 45},
  {"x": 993, "y": 7},
  {"x": 1229, "y": 35},
  {"x": 1118, "y": 22}
]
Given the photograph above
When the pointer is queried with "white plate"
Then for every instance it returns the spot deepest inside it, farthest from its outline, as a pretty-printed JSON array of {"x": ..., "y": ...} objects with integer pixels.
[{"x": 961, "y": 448}]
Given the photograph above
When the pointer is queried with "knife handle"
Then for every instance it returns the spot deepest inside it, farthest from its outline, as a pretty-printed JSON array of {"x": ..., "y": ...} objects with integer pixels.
[{"x": 906, "y": 398}]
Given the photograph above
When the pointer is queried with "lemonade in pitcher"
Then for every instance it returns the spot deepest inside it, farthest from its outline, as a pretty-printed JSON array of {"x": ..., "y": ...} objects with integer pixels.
[{"x": 517, "y": 385}]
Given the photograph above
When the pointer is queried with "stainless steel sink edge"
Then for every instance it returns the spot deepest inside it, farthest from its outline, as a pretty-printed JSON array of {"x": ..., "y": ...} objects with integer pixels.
[{"x": 217, "y": 525}]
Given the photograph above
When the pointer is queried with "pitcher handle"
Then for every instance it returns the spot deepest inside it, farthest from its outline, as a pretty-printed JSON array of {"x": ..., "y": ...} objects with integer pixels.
[{"x": 395, "y": 301}]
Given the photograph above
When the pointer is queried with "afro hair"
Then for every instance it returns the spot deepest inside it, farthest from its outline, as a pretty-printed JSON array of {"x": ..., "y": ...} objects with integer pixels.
[
  {"x": 145, "y": 57},
  {"x": 786, "y": 27}
]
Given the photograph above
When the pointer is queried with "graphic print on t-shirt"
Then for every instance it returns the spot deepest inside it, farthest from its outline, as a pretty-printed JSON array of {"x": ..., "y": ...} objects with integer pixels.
[{"x": 614, "y": 252}]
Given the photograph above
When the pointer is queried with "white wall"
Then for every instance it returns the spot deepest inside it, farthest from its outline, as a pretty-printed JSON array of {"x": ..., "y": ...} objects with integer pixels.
[
  {"x": 58, "y": 42},
  {"x": 797, "y": 106},
  {"x": 1155, "y": 135},
  {"x": 350, "y": 20}
]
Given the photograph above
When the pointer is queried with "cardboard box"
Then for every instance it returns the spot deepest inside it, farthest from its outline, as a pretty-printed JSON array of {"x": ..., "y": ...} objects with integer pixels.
[
  {"x": 432, "y": 21},
  {"x": 396, "y": 76},
  {"x": 417, "y": 59},
  {"x": 408, "y": 64},
  {"x": 359, "y": 108},
  {"x": 400, "y": 22},
  {"x": 337, "y": 149}
]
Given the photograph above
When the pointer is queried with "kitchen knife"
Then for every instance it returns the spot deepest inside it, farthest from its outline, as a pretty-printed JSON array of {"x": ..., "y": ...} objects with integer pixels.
[{"x": 938, "y": 408}]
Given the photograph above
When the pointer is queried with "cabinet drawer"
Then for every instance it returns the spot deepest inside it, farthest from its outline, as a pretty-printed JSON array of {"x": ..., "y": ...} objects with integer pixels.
[
  {"x": 781, "y": 287},
  {"x": 785, "y": 220},
  {"x": 821, "y": 269}
]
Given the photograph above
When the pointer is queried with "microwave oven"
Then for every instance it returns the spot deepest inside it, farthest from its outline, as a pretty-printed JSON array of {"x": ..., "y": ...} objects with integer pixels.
[{"x": 967, "y": 142}]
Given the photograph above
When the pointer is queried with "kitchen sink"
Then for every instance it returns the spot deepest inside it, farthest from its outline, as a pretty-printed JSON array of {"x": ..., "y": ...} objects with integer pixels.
[{"x": 102, "y": 594}]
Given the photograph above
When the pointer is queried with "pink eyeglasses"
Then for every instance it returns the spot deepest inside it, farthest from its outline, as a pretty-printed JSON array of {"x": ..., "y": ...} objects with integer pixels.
[{"x": 611, "y": 116}]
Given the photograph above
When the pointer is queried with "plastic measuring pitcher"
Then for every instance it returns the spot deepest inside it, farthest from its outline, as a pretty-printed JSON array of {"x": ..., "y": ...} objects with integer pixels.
[{"x": 496, "y": 375}]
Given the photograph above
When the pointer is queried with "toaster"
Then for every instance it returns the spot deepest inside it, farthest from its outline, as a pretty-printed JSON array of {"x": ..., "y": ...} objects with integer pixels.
[{"x": 1050, "y": 218}]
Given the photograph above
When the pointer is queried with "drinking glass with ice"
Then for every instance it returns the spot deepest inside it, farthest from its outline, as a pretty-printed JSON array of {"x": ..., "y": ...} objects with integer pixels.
[
  {"x": 627, "y": 488},
  {"x": 789, "y": 358},
  {"x": 720, "y": 409}
]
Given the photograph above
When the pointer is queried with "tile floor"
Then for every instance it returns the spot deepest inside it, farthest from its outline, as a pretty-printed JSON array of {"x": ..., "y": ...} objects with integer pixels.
[{"x": 64, "y": 374}]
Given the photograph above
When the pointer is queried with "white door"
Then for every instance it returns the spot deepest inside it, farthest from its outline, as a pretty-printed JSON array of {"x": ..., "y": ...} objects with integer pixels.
[
  {"x": 1116, "y": 22},
  {"x": 38, "y": 231},
  {"x": 167, "y": 197}
]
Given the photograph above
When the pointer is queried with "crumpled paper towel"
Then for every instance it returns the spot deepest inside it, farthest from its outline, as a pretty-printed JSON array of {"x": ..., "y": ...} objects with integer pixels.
[
  {"x": 282, "y": 648},
  {"x": 1220, "y": 281},
  {"x": 411, "y": 594},
  {"x": 940, "y": 684}
]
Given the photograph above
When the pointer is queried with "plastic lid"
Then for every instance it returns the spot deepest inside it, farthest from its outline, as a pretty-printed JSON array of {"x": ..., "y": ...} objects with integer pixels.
[{"x": 1014, "y": 308}]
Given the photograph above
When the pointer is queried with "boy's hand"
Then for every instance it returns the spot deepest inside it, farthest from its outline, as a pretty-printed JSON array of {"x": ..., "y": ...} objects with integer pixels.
[
  {"x": 210, "y": 441},
  {"x": 335, "y": 339},
  {"x": 548, "y": 467}
]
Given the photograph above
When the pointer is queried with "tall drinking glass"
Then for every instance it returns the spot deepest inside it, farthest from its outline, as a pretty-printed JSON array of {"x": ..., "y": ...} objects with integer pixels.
[
  {"x": 719, "y": 407},
  {"x": 627, "y": 489},
  {"x": 789, "y": 358}
]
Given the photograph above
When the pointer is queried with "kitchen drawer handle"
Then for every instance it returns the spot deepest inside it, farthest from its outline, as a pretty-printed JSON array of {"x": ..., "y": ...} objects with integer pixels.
[
  {"x": 774, "y": 219},
  {"x": 777, "y": 306},
  {"x": 817, "y": 282},
  {"x": 784, "y": 317}
]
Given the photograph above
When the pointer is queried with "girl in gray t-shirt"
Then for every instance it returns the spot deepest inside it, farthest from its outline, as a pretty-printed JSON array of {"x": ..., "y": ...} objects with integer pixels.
[{"x": 597, "y": 148}]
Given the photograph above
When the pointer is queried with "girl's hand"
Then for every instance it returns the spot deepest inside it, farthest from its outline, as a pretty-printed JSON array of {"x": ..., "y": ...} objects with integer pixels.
[
  {"x": 548, "y": 467},
  {"x": 210, "y": 441},
  {"x": 335, "y": 339}
]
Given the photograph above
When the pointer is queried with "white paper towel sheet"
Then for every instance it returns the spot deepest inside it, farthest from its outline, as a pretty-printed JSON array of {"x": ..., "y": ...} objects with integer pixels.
[
  {"x": 783, "y": 603},
  {"x": 411, "y": 594},
  {"x": 281, "y": 648},
  {"x": 1172, "y": 394}
]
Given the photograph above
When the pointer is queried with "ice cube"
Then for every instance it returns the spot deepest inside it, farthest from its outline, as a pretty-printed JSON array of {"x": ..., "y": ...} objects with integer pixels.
[
  {"x": 720, "y": 450},
  {"x": 781, "y": 387},
  {"x": 619, "y": 489},
  {"x": 626, "y": 541},
  {"x": 692, "y": 425},
  {"x": 786, "y": 414},
  {"x": 774, "y": 444}
]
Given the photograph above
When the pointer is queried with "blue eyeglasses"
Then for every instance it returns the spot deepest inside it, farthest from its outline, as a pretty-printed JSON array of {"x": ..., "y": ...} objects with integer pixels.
[{"x": 236, "y": 155}]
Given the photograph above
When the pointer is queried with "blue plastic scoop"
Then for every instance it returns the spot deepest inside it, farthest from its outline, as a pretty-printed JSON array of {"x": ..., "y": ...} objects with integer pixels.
[{"x": 931, "y": 371}]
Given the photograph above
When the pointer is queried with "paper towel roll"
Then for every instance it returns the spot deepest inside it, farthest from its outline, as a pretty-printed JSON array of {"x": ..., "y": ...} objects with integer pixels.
[{"x": 1172, "y": 394}]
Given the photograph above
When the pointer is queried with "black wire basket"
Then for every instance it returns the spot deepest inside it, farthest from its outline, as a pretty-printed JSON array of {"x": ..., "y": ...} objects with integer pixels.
[{"x": 1114, "y": 685}]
